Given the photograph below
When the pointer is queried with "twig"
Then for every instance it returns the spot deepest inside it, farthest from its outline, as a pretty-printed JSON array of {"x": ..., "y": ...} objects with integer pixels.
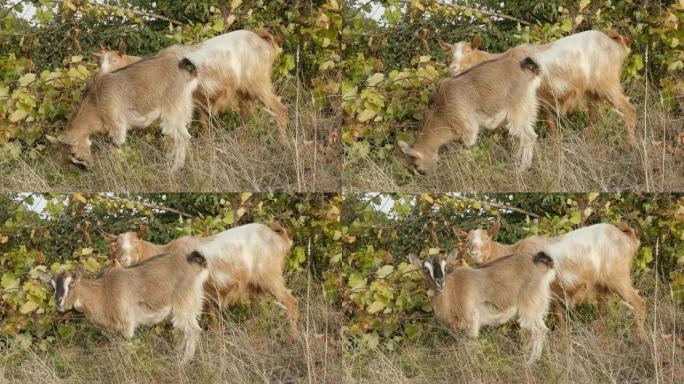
[
  {"x": 496, "y": 205},
  {"x": 478, "y": 10},
  {"x": 152, "y": 206},
  {"x": 139, "y": 13}
]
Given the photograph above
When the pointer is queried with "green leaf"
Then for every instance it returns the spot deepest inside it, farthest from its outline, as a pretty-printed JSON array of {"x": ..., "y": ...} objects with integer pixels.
[
  {"x": 366, "y": 115},
  {"x": 26, "y": 79},
  {"x": 18, "y": 115},
  {"x": 376, "y": 307},
  {"x": 375, "y": 79},
  {"x": 28, "y": 307},
  {"x": 385, "y": 271},
  {"x": 575, "y": 217}
]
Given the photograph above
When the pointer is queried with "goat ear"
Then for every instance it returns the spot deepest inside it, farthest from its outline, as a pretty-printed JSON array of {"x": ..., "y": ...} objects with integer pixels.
[
  {"x": 142, "y": 232},
  {"x": 100, "y": 55},
  {"x": 445, "y": 46},
  {"x": 494, "y": 230},
  {"x": 408, "y": 150},
  {"x": 461, "y": 234},
  {"x": 475, "y": 44},
  {"x": 414, "y": 260},
  {"x": 122, "y": 48},
  {"x": 109, "y": 237},
  {"x": 45, "y": 277}
]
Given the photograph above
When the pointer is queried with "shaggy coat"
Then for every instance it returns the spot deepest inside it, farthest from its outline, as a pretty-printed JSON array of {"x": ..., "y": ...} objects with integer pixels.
[
  {"x": 246, "y": 259},
  {"x": 593, "y": 260},
  {"x": 233, "y": 69},
  {"x": 513, "y": 286},
  {"x": 585, "y": 66},
  {"x": 158, "y": 88},
  {"x": 489, "y": 94},
  {"x": 121, "y": 299}
]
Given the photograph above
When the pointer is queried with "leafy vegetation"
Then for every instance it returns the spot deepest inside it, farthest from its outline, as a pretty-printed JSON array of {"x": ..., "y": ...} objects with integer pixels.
[
  {"x": 46, "y": 64},
  {"x": 392, "y": 66},
  {"x": 57, "y": 232},
  {"x": 383, "y": 295}
]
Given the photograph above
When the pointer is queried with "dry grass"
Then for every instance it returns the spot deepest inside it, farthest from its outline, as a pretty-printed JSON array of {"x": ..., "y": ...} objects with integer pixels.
[
  {"x": 598, "y": 351},
  {"x": 581, "y": 159},
  {"x": 237, "y": 156},
  {"x": 250, "y": 348}
]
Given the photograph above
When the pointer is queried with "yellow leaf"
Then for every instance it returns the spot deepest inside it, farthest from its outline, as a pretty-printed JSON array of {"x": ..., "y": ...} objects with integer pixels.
[
  {"x": 235, "y": 3},
  {"x": 28, "y": 307},
  {"x": 80, "y": 198},
  {"x": 376, "y": 307},
  {"x": 18, "y": 115},
  {"x": 366, "y": 115}
]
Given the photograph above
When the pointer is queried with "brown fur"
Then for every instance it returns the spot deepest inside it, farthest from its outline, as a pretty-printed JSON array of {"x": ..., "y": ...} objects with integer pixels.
[
  {"x": 578, "y": 92},
  {"x": 493, "y": 294},
  {"x": 485, "y": 94},
  {"x": 121, "y": 299},
  {"x": 131, "y": 97},
  {"x": 267, "y": 275}
]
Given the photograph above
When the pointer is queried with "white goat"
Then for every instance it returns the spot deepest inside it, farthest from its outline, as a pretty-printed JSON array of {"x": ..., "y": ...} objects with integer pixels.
[
  {"x": 579, "y": 67},
  {"x": 593, "y": 260},
  {"x": 246, "y": 259}
]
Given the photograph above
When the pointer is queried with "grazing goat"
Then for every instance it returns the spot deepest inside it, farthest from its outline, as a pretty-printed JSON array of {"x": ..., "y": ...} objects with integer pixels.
[
  {"x": 246, "y": 259},
  {"x": 468, "y": 298},
  {"x": 233, "y": 69},
  {"x": 593, "y": 260},
  {"x": 122, "y": 299},
  {"x": 579, "y": 67},
  {"x": 488, "y": 94},
  {"x": 134, "y": 96}
]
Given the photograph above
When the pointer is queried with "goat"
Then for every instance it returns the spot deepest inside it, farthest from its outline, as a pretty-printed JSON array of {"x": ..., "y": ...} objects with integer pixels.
[
  {"x": 246, "y": 259},
  {"x": 488, "y": 94},
  {"x": 233, "y": 70},
  {"x": 579, "y": 67},
  {"x": 468, "y": 298},
  {"x": 593, "y": 260},
  {"x": 122, "y": 299},
  {"x": 134, "y": 96},
  {"x": 483, "y": 249},
  {"x": 112, "y": 60}
]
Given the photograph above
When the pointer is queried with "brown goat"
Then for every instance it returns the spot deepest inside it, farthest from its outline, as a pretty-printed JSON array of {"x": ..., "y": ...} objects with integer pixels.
[
  {"x": 594, "y": 260},
  {"x": 585, "y": 66},
  {"x": 134, "y": 96},
  {"x": 121, "y": 299},
  {"x": 469, "y": 298},
  {"x": 246, "y": 259},
  {"x": 488, "y": 94}
]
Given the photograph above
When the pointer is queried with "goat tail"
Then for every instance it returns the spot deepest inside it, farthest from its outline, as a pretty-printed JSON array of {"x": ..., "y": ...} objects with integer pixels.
[
  {"x": 266, "y": 35},
  {"x": 187, "y": 65},
  {"x": 543, "y": 258},
  {"x": 282, "y": 231},
  {"x": 629, "y": 230},
  {"x": 197, "y": 258},
  {"x": 530, "y": 65},
  {"x": 620, "y": 39}
]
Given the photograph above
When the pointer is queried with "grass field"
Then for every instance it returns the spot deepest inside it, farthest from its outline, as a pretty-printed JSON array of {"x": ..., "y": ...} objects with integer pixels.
[
  {"x": 236, "y": 156},
  {"x": 248, "y": 348},
  {"x": 590, "y": 351},
  {"x": 585, "y": 157},
  {"x": 255, "y": 348}
]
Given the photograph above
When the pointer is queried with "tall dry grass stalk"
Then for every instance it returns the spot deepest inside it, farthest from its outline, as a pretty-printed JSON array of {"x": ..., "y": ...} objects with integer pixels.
[
  {"x": 586, "y": 157},
  {"x": 235, "y": 156}
]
